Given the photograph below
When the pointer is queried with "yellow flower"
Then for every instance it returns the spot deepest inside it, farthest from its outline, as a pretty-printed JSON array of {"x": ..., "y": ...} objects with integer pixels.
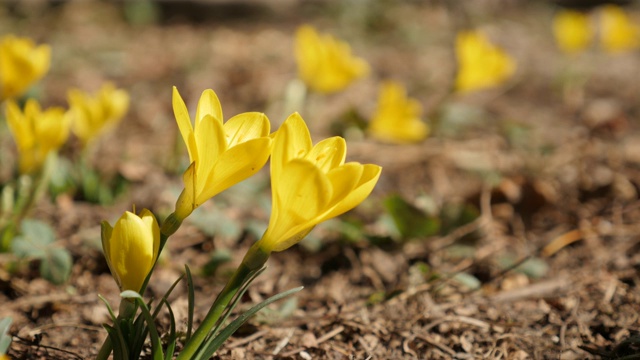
[
  {"x": 36, "y": 132},
  {"x": 221, "y": 155},
  {"x": 480, "y": 63},
  {"x": 397, "y": 118},
  {"x": 572, "y": 30},
  {"x": 93, "y": 115},
  {"x": 131, "y": 248},
  {"x": 310, "y": 184},
  {"x": 325, "y": 63},
  {"x": 21, "y": 64},
  {"x": 617, "y": 32}
]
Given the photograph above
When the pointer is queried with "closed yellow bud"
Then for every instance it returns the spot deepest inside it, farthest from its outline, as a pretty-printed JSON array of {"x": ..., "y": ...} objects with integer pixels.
[
  {"x": 36, "y": 132},
  {"x": 21, "y": 64},
  {"x": 325, "y": 63},
  {"x": 131, "y": 248}
]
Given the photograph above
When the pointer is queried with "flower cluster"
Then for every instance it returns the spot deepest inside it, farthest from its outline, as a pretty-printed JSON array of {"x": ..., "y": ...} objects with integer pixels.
[{"x": 575, "y": 30}]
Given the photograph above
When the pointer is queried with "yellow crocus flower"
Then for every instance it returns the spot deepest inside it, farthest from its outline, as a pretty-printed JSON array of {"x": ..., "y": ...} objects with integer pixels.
[
  {"x": 617, "y": 32},
  {"x": 131, "y": 248},
  {"x": 397, "y": 118},
  {"x": 480, "y": 63},
  {"x": 93, "y": 115},
  {"x": 21, "y": 64},
  {"x": 221, "y": 154},
  {"x": 572, "y": 30},
  {"x": 36, "y": 132},
  {"x": 310, "y": 184},
  {"x": 325, "y": 63}
]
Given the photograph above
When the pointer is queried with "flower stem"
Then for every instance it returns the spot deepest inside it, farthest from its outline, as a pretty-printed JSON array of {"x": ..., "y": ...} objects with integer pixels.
[{"x": 253, "y": 261}]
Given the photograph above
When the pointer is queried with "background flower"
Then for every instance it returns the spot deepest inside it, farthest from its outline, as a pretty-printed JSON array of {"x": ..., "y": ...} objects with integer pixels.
[
  {"x": 397, "y": 117},
  {"x": 325, "y": 63},
  {"x": 21, "y": 64}
]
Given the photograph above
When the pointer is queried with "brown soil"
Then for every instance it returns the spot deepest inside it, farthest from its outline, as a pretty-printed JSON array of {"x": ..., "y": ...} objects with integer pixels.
[{"x": 553, "y": 157}]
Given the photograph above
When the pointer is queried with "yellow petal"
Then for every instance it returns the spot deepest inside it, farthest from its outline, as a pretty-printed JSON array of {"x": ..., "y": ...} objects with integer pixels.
[
  {"x": 291, "y": 141},
  {"x": 150, "y": 222},
  {"x": 300, "y": 195},
  {"x": 344, "y": 179},
  {"x": 106, "y": 232},
  {"x": 235, "y": 165},
  {"x": 19, "y": 126},
  {"x": 209, "y": 104},
  {"x": 246, "y": 126},
  {"x": 186, "y": 201},
  {"x": 366, "y": 183},
  {"x": 328, "y": 153},
  {"x": 184, "y": 124},
  {"x": 210, "y": 144}
]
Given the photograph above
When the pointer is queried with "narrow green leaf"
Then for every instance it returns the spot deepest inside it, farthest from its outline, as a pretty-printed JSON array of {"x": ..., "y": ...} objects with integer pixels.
[
  {"x": 120, "y": 351},
  {"x": 191, "y": 302},
  {"x": 166, "y": 296},
  {"x": 200, "y": 355},
  {"x": 156, "y": 344},
  {"x": 214, "y": 343},
  {"x": 172, "y": 333}
]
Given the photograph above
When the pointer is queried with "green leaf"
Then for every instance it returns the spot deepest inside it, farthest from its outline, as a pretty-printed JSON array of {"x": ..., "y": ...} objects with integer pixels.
[
  {"x": 191, "y": 302},
  {"x": 467, "y": 280},
  {"x": 156, "y": 345},
  {"x": 5, "y": 338},
  {"x": 215, "y": 342},
  {"x": 410, "y": 221},
  {"x": 56, "y": 265},
  {"x": 34, "y": 238},
  {"x": 172, "y": 333},
  {"x": 120, "y": 350}
]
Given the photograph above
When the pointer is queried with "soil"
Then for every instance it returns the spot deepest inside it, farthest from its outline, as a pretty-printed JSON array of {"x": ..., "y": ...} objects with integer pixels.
[{"x": 549, "y": 163}]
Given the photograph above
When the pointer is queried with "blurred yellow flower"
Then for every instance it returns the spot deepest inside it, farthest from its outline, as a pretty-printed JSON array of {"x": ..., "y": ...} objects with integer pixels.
[
  {"x": 131, "y": 248},
  {"x": 221, "y": 155},
  {"x": 21, "y": 64},
  {"x": 325, "y": 63},
  {"x": 36, "y": 132},
  {"x": 397, "y": 118},
  {"x": 93, "y": 115},
  {"x": 310, "y": 184},
  {"x": 617, "y": 32},
  {"x": 480, "y": 63},
  {"x": 572, "y": 30}
]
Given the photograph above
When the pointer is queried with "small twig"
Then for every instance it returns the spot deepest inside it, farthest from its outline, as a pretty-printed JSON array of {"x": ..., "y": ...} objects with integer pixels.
[
  {"x": 246, "y": 340},
  {"x": 47, "y": 347},
  {"x": 282, "y": 343},
  {"x": 536, "y": 290},
  {"x": 460, "y": 319},
  {"x": 331, "y": 334}
]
